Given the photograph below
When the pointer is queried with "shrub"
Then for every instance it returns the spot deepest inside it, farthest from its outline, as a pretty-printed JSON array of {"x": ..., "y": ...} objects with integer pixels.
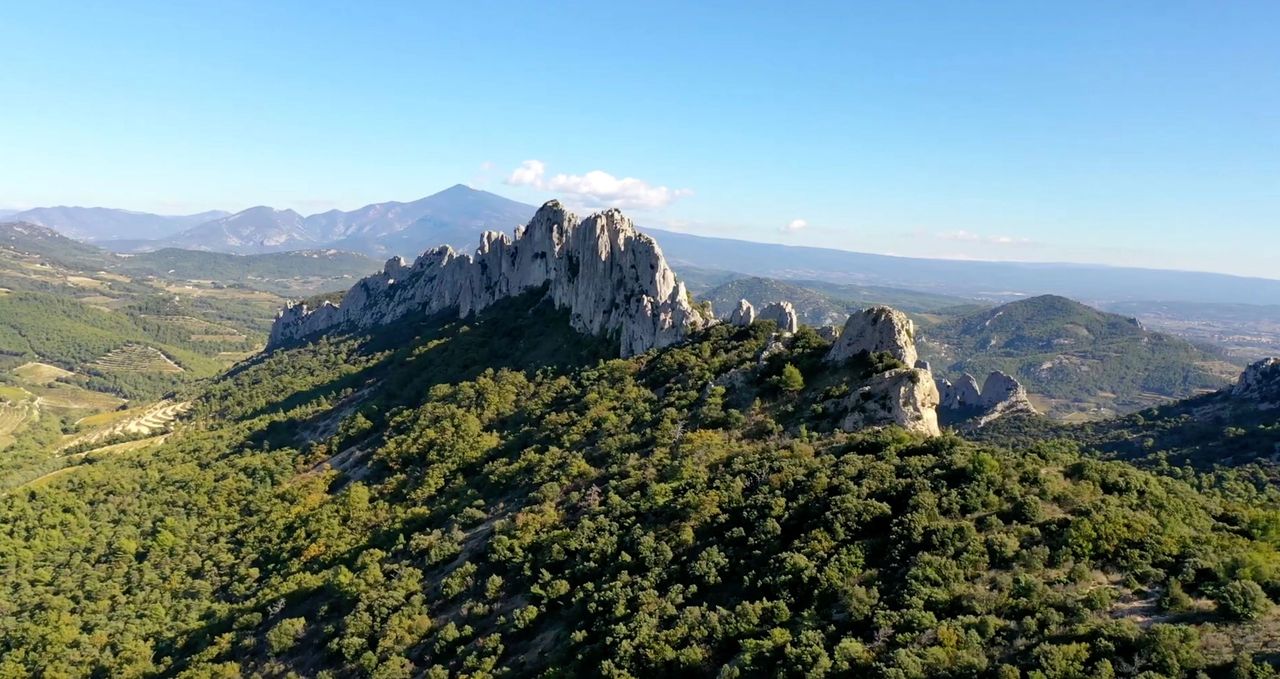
[
  {"x": 285, "y": 634},
  {"x": 1243, "y": 600}
]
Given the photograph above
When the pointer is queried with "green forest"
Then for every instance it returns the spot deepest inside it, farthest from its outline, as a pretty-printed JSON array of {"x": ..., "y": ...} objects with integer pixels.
[{"x": 498, "y": 496}]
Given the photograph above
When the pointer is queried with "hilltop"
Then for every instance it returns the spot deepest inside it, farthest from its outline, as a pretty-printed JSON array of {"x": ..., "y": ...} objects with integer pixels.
[{"x": 1076, "y": 359}]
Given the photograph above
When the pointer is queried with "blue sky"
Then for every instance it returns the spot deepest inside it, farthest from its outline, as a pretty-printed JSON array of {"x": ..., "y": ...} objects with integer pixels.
[{"x": 1139, "y": 133}]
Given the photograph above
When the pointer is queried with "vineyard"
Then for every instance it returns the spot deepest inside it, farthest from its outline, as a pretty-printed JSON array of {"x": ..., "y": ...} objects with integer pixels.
[
  {"x": 136, "y": 358},
  {"x": 153, "y": 419},
  {"x": 13, "y": 418}
]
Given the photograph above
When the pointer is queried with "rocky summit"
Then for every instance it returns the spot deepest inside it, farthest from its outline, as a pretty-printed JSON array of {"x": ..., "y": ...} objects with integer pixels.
[
  {"x": 875, "y": 330},
  {"x": 1260, "y": 382},
  {"x": 611, "y": 278}
]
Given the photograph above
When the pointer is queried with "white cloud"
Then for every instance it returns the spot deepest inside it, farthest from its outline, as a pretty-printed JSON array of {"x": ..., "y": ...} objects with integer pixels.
[
  {"x": 795, "y": 225},
  {"x": 596, "y": 188}
]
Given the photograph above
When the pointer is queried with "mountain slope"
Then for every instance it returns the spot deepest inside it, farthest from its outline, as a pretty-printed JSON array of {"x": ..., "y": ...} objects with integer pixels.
[
  {"x": 43, "y": 242},
  {"x": 1082, "y": 360},
  {"x": 256, "y": 230},
  {"x": 449, "y": 496},
  {"x": 1236, "y": 426},
  {"x": 456, "y": 217},
  {"x": 100, "y": 224}
]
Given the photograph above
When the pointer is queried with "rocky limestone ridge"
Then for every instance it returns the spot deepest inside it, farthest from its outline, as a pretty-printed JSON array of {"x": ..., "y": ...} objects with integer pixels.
[
  {"x": 610, "y": 277},
  {"x": 1000, "y": 395},
  {"x": 878, "y": 329},
  {"x": 781, "y": 313},
  {"x": 744, "y": 314},
  {"x": 905, "y": 396},
  {"x": 1260, "y": 382}
]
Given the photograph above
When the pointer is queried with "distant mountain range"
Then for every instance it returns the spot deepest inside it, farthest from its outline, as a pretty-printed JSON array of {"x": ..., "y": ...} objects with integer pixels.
[
  {"x": 285, "y": 273},
  {"x": 95, "y": 224},
  {"x": 457, "y": 216}
]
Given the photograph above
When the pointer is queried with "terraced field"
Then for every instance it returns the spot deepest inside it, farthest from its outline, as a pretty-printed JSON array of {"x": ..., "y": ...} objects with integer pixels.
[
  {"x": 137, "y": 358},
  {"x": 72, "y": 397},
  {"x": 14, "y": 417},
  {"x": 153, "y": 419}
]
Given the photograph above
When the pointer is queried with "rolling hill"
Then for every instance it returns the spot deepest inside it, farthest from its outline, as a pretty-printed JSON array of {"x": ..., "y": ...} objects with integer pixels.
[{"x": 1079, "y": 361}]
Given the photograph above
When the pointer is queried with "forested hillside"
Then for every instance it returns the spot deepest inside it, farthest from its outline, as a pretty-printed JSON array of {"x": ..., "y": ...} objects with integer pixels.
[
  {"x": 496, "y": 496},
  {"x": 1079, "y": 361}
]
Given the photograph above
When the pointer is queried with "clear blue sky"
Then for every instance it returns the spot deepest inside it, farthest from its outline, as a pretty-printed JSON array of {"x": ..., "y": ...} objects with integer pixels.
[{"x": 1143, "y": 133}]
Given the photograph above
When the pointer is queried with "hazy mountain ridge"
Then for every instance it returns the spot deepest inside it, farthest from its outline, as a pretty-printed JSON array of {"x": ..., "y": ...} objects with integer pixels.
[
  {"x": 290, "y": 272},
  {"x": 462, "y": 213},
  {"x": 103, "y": 224},
  {"x": 252, "y": 231}
]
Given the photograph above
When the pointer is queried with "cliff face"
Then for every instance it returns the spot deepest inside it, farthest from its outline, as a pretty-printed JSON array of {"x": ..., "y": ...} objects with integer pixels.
[{"x": 612, "y": 279}]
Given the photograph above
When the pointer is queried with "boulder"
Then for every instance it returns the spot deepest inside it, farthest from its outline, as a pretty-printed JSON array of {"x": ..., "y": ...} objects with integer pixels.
[{"x": 878, "y": 329}]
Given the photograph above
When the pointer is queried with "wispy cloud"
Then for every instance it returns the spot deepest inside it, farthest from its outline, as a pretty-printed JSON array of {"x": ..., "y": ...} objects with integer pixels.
[
  {"x": 795, "y": 225},
  {"x": 596, "y": 188},
  {"x": 971, "y": 237}
]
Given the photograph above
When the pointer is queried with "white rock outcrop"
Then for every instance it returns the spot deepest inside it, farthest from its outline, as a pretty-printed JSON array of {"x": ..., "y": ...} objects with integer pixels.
[
  {"x": 744, "y": 314},
  {"x": 999, "y": 395},
  {"x": 878, "y": 329},
  {"x": 610, "y": 277},
  {"x": 906, "y": 397},
  {"x": 1260, "y": 382},
  {"x": 781, "y": 313}
]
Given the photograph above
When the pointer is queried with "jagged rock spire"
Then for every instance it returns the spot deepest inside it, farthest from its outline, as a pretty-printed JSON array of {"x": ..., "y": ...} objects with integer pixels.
[
  {"x": 783, "y": 314},
  {"x": 744, "y": 314},
  {"x": 610, "y": 277}
]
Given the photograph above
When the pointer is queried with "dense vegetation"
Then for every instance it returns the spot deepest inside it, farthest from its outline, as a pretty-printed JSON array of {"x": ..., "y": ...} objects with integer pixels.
[
  {"x": 497, "y": 497},
  {"x": 74, "y": 336},
  {"x": 1065, "y": 350}
]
